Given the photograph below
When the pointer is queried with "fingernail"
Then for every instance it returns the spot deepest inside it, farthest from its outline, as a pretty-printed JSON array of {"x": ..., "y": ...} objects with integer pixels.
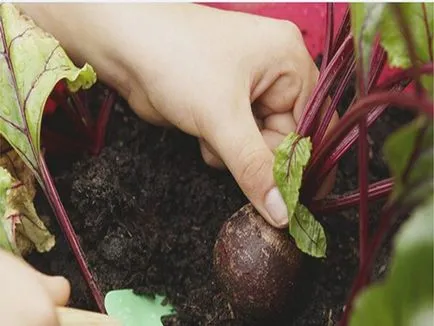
[{"x": 276, "y": 207}]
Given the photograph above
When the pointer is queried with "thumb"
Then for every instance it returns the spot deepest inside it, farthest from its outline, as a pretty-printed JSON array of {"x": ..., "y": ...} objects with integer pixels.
[
  {"x": 57, "y": 287},
  {"x": 239, "y": 143}
]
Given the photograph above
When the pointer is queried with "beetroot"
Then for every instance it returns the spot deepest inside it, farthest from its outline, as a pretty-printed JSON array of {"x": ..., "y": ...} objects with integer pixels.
[{"x": 257, "y": 266}]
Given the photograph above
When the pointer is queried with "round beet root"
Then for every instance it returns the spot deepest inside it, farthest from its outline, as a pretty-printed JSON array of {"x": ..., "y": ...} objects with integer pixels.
[{"x": 256, "y": 265}]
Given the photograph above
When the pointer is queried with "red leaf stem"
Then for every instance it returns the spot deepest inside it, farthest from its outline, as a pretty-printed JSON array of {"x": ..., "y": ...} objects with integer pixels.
[
  {"x": 63, "y": 219},
  {"x": 376, "y": 191},
  {"x": 403, "y": 75},
  {"x": 343, "y": 32},
  {"x": 377, "y": 64},
  {"x": 101, "y": 123},
  {"x": 363, "y": 188},
  {"x": 427, "y": 30},
  {"x": 322, "y": 159},
  {"x": 326, "y": 80},
  {"x": 83, "y": 111},
  {"x": 325, "y": 120},
  {"x": 329, "y": 36},
  {"x": 385, "y": 222}
]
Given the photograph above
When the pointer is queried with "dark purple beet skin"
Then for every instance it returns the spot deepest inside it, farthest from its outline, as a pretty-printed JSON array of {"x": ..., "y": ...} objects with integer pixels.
[{"x": 256, "y": 265}]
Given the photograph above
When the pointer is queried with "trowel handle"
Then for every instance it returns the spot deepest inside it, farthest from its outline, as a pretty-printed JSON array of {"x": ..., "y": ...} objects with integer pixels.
[{"x": 77, "y": 317}]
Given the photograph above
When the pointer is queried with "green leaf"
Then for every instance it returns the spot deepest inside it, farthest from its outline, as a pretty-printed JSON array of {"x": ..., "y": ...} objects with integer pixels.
[
  {"x": 398, "y": 150},
  {"x": 291, "y": 157},
  {"x": 31, "y": 63},
  {"x": 405, "y": 298},
  {"x": 307, "y": 232},
  {"x": 136, "y": 310},
  {"x": 394, "y": 43},
  {"x": 392, "y": 39},
  {"x": 23, "y": 229},
  {"x": 5, "y": 226},
  {"x": 365, "y": 19}
]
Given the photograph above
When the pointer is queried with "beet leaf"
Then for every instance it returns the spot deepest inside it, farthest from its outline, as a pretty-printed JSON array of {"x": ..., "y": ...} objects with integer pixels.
[
  {"x": 365, "y": 18},
  {"x": 24, "y": 229},
  {"x": 406, "y": 296},
  {"x": 6, "y": 237},
  {"x": 291, "y": 156},
  {"x": 412, "y": 145},
  {"x": 420, "y": 17},
  {"x": 31, "y": 64},
  {"x": 393, "y": 41}
]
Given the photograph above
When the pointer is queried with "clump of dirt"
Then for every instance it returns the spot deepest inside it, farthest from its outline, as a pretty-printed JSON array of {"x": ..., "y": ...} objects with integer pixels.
[{"x": 148, "y": 210}]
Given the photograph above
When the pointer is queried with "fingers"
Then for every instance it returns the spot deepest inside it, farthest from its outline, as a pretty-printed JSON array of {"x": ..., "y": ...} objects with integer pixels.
[
  {"x": 28, "y": 297},
  {"x": 274, "y": 129},
  {"x": 272, "y": 138},
  {"x": 24, "y": 300},
  {"x": 57, "y": 287},
  {"x": 283, "y": 123},
  {"x": 240, "y": 144},
  {"x": 210, "y": 156},
  {"x": 282, "y": 105},
  {"x": 282, "y": 95}
]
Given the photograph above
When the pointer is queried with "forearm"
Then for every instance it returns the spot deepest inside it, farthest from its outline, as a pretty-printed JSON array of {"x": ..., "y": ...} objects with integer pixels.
[{"x": 108, "y": 35}]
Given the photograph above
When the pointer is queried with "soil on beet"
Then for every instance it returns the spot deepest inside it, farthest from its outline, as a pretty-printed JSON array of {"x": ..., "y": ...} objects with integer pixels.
[{"x": 148, "y": 210}]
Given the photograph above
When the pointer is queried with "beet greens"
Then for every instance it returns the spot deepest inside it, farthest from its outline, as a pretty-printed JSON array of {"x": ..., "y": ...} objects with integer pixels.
[
  {"x": 25, "y": 91},
  {"x": 369, "y": 34}
]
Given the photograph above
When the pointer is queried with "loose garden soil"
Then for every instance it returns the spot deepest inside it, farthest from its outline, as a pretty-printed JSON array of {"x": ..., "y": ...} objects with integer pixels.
[{"x": 147, "y": 211}]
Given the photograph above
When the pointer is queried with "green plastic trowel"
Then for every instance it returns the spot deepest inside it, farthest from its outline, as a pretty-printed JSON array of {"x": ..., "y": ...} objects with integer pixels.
[{"x": 136, "y": 310}]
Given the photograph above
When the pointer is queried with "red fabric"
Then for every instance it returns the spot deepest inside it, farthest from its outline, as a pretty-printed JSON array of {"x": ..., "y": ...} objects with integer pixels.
[
  {"x": 51, "y": 104},
  {"x": 309, "y": 17}
]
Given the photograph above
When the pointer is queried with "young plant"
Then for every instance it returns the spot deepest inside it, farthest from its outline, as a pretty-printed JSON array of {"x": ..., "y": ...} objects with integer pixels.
[
  {"x": 369, "y": 35},
  {"x": 25, "y": 90},
  {"x": 88, "y": 133}
]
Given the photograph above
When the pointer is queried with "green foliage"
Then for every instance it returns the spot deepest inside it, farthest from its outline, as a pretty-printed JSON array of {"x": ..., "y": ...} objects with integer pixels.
[
  {"x": 393, "y": 40},
  {"x": 365, "y": 19},
  {"x": 31, "y": 63},
  {"x": 405, "y": 298},
  {"x": 21, "y": 229},
  {"x": 307, "y": 232},
  {"x": 370, "y": 19},
  {"x": 291, "y": 157},
  {"x": 5, "y": 225},
  {"x": 415, "y": 182}
]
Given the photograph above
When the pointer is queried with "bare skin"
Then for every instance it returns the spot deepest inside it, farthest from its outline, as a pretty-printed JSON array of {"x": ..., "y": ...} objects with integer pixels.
[
  {"x": 29, "y": 297},
  {"x": 237, "y": 82}
]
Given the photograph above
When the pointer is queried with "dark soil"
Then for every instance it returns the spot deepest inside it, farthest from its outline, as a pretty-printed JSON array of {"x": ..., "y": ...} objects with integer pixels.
[{"x": 148, "y": 209}]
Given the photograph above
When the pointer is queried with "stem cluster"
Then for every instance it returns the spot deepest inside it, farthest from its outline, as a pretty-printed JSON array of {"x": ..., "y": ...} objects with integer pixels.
[{"x": 370, "y": 101}]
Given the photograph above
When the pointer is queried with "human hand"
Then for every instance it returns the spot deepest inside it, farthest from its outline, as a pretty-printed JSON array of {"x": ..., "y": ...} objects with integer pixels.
[
  {"x": 28, "y": 297},
  {"x": 238, "y": 82}
]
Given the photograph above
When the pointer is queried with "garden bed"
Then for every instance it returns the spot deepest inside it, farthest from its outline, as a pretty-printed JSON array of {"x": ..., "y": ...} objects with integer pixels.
[{"x": 147, "y": 211}]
